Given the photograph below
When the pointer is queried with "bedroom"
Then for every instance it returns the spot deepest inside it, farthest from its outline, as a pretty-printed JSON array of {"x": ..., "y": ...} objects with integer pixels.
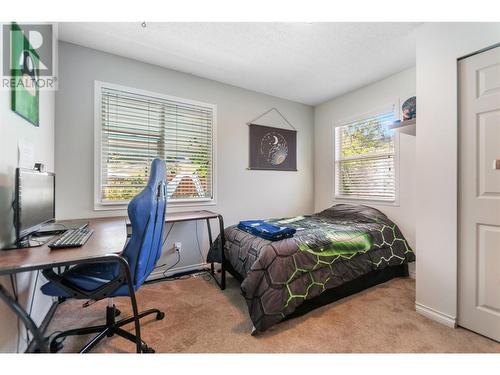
[{"x": 301, "y": 142}]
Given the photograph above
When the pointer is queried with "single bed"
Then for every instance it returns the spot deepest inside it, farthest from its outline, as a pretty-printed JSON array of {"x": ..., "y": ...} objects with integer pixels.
[{"x": 333, "y": 254}]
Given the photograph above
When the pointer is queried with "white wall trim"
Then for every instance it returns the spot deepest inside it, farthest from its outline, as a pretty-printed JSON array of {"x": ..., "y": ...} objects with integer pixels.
[
  {"x": 412, "y": 274},
  {"x": 159, "y": 274},
  {"x": 435, "y": 315}
]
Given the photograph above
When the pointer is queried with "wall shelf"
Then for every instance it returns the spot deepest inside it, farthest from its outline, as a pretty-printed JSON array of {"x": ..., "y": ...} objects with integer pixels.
[{"x": 406, "y": 127}]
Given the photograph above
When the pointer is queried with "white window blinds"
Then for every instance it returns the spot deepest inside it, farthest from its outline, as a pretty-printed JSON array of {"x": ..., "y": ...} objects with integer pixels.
[
  {"x": 135, "y": 128},
  {"x": 364, "y": 159}
]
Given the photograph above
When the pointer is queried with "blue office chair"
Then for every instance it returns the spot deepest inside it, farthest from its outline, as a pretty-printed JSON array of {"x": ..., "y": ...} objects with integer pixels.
[{"x": 119, "y": 275}]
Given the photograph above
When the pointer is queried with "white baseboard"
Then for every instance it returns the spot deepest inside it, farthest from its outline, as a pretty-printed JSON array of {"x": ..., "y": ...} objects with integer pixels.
[
  {"x": 159, "y": 274},
  {"x": 412, "y": 274},
  {"x": 435, "y": 315}
]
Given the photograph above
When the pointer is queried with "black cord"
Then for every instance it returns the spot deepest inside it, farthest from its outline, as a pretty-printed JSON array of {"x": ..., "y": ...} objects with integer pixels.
[
  {"x": 173, "y": 265},
  {"x": 168, "y": 278},
  {"x": 205, "y": 275},
  {"x": 14, "y": 287},
  {"x": 61, "y": 224},
  {"x": 16, "y": 298},
  {"x": 163, "y": 244},
  {"x": 183, "y": 277},
  {"x": 30, "y": 238},
  {"x": 165, "y": 239},
  {"x": 198, "y": 241},
  {"x": 34, "y": 290},
  {"x": 31, "y": 303}
]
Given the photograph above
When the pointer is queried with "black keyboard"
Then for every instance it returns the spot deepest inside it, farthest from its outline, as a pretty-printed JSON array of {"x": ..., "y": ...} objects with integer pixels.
[{"x": 72, "y": 238}]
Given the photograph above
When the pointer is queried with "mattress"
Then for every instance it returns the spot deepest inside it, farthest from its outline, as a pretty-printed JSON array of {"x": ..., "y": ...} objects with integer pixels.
[{"x": 330, "y": 248}]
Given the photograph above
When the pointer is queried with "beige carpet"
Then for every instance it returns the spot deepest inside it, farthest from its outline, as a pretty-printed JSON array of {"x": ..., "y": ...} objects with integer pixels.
[{"x": 201, "y": 318}]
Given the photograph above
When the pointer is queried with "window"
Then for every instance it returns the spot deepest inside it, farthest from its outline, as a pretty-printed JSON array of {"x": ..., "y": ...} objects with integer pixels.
[
  {"x": 133, "y": 127},
  {"x": 365, "y": 151}
]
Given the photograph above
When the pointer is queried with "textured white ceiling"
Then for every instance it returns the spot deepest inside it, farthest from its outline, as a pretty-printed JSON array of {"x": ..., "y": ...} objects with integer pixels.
[{"x": 305, "y": 62}]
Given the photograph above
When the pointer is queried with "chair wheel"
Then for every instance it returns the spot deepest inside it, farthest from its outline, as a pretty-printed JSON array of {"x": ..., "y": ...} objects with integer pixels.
[
  {"x": 147, "y": 349},
  {"x": 56, "y": 346},
  {"x": 160, "y": 315},
  {"x": 117, "y": 312}
]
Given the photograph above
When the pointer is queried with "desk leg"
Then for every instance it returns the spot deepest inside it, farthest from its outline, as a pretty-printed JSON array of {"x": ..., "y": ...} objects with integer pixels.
[
  {"x": 209, "y": 229},
  {"x": 24, "y": 316},
  {"x": 222, "y": 255},
  {"x": 222, "y": 283}
]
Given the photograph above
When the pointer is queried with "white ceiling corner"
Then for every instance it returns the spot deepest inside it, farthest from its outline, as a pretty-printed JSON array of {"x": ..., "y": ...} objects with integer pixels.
[{"x": 305, "y": 62}]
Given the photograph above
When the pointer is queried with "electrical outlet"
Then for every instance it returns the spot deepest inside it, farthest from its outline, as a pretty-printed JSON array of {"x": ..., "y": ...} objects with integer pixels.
[{"x": 178, "y": 246}]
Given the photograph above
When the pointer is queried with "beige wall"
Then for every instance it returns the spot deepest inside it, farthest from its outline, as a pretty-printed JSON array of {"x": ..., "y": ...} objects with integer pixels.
[
  {"x": 13, "y": 129},
  {"x": 439, "y": 45},
  {"x": 370, "y": 98},
  {"x": 241, "y": 194}
]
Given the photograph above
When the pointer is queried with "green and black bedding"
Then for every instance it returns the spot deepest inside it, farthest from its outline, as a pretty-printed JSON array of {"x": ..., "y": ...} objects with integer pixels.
[{"x": 329, "y": 248}]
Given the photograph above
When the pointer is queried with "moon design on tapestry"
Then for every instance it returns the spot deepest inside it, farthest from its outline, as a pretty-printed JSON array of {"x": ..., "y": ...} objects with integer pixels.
[{"x": 274, "y": 148}]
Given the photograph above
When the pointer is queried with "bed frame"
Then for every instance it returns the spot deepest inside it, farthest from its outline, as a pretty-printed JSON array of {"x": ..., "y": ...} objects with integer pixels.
[{"x": 334, "y": 294}]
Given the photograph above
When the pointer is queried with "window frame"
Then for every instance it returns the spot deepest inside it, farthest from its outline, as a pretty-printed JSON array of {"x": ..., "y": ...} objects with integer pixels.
[
  {"x": 360, "y": 200},
  {"x": 103, "y": 206}
]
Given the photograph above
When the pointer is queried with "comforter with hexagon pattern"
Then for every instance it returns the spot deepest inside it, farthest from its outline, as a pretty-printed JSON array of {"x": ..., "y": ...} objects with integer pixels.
[{"x": 329, "y": 248}]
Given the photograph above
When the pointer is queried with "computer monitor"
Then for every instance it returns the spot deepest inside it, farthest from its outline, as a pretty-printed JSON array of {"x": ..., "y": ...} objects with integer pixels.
[{"x": 34, "y": 201}]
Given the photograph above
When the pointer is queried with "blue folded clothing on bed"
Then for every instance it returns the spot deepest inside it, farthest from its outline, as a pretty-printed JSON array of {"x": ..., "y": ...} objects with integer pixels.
[{"x": 266, "y": 230}]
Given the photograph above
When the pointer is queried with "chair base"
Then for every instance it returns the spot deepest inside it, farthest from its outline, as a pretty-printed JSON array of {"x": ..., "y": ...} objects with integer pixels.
[{"x": 111, "y": 328}]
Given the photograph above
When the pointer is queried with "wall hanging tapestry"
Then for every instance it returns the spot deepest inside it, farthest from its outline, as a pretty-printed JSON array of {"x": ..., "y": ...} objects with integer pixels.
[{"x": 272, "y": 148}]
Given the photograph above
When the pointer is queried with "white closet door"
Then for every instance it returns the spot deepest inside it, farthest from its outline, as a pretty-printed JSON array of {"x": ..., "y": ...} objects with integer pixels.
[{"x": 479, "y": 193}]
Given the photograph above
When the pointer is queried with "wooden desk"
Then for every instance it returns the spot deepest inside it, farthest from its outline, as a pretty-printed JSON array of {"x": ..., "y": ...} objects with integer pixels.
[
  {"x": 177, "y": 217},
  {"x": 108, "y": 240},
  {"x": 174, "y": 217}
]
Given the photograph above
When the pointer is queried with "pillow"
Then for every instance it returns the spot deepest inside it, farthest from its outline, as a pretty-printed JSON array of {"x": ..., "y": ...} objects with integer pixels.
[{"x": 353, "y": 212}]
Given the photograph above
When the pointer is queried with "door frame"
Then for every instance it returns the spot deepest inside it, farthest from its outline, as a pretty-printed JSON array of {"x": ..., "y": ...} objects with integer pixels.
[{"x": 496, "y": 45}]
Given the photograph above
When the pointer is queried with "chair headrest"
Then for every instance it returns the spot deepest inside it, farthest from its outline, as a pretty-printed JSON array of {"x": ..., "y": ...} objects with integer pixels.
[{"x": 158, "y": 172}]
